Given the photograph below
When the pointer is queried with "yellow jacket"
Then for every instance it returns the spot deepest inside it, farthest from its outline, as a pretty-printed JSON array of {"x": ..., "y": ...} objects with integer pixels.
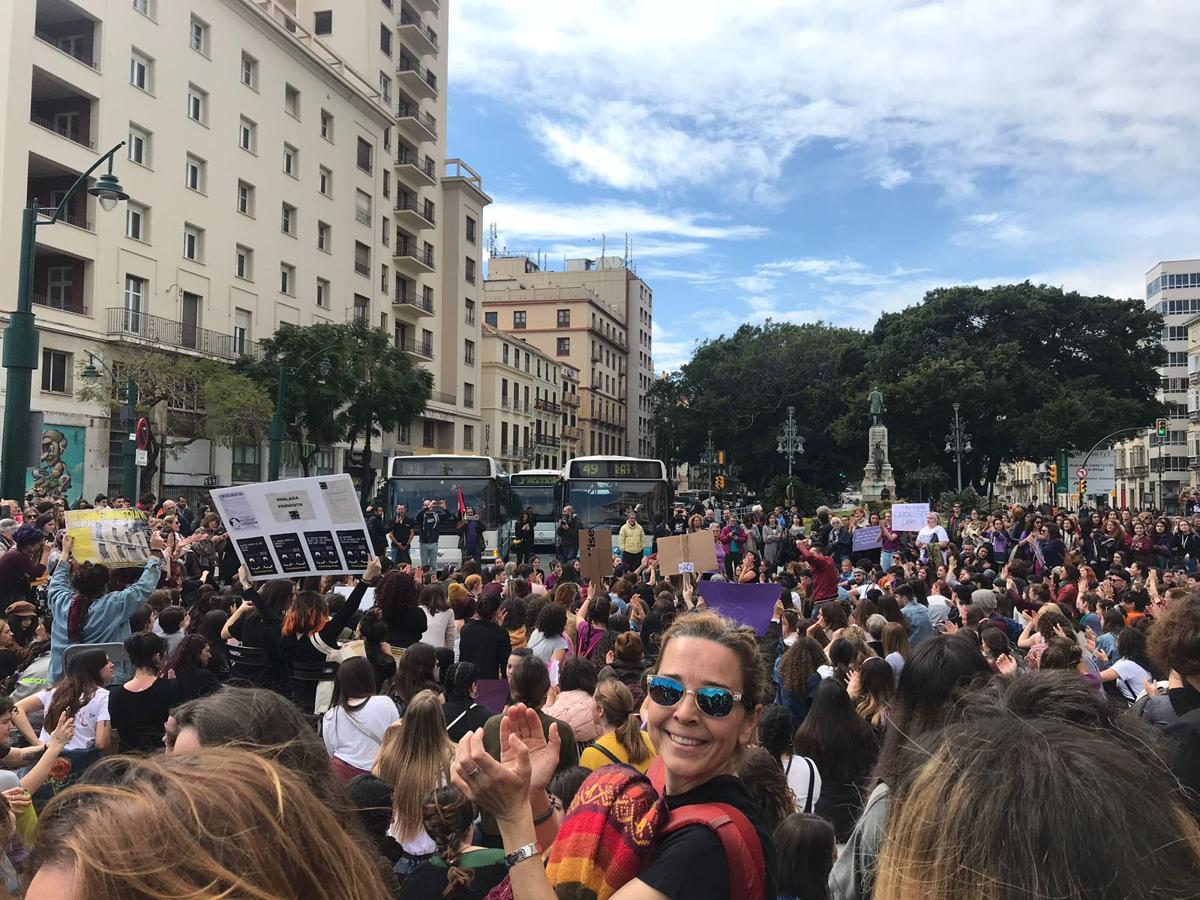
[{"x": 632, "y": 538}]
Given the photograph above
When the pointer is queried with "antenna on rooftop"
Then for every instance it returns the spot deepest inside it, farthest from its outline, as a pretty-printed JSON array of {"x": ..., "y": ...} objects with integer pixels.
[{"x": 492, "y": 239}]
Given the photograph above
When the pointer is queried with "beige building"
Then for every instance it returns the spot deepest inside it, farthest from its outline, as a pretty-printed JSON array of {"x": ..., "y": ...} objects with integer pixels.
[
  {"x": 575, "y": 327},
  {"x": 626, "y": 306},
  {"x": 521, "y": 403},
  {"x": 285, "y": 162}
]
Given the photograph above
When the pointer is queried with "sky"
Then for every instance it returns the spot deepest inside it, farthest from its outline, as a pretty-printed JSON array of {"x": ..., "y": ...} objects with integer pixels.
[{"x": 830, "y": 160}]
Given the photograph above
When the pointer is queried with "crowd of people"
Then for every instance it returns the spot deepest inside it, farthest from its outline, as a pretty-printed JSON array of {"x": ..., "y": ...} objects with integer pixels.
[{"x": 996, "y": 705}]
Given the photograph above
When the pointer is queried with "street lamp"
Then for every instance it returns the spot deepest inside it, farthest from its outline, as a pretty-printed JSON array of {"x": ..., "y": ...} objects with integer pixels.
[
  {"x": 275, "y": 435},
  {"x": 21, "y": 337},
  {"x": 958, "y": 442},
  {"x": 128, "y": 417},
  {"x": 708, "y": 459},
  {"x": 790, "y": 443}
]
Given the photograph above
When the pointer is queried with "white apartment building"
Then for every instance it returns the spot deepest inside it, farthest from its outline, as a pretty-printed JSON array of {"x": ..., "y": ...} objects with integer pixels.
[
  {"x": 284, "y": 163},
  {"x": 521, "y": 403},
  {"x": 1173, "y": 289}
]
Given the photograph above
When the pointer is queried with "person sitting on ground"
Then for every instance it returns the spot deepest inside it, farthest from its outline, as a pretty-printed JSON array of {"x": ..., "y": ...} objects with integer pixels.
[
  {"x": 188, "y": 669},
  {"x": 139, "y": 707},
  {"x": 458, "y": 869},
  {"x": 357, "y": 719},
  {"x": 574, "y": 704},
  {"x": 462, "y": 712},
  {"x": 622, "y": 741}
]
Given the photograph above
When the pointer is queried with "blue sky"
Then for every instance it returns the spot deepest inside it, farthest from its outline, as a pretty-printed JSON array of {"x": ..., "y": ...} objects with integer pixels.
[{"x": 833, "y": 159}]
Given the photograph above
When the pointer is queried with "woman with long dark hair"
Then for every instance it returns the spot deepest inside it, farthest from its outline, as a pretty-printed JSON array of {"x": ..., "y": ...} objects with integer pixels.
[
  {"x": 354, "y": 727},
  {"x": 376, "y": 649},
  {"x": 462, "y": 711},
  {"x": 188, "y": 669},
  {"x": 256, "y": 624},
  {"x": 415, "y": 672}
]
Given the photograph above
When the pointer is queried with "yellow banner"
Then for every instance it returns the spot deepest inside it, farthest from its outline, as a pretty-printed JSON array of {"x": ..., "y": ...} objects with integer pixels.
[{"x": 111, "y": 537}]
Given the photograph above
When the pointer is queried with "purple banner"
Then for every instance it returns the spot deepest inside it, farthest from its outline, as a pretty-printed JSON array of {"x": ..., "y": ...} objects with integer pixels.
[
  {"x": 867, "y": 537},
  {"x": 750, "y": 604},
  {"x": 493, "y": 694}
]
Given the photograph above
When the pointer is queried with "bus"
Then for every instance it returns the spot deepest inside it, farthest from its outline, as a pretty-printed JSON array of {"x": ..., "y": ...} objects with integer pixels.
[
  {"x": 541, "y": 491},
  {"x": 480, "y": 482},
  {"x": 603, "y": 489}
]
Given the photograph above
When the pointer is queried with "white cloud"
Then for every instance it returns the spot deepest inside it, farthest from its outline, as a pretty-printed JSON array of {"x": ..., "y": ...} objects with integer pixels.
[{"x": 565, "y": 221}]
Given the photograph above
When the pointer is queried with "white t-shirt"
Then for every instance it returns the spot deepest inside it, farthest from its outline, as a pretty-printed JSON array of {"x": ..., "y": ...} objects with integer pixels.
[
  {"x": 1131, "y": 678},
  {"x": 803, "y": 776},
  {"x": 544, "y": 648},
  {"x": 355, "y": 737},
  {"x": 927, "y": 534},
  {"x": 440, "y": 630},
  {"x": 86, "y": 719}
]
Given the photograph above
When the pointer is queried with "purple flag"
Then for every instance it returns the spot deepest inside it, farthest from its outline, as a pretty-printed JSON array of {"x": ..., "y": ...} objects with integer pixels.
[
  {"x": 493, "y": 694},
  {"x": 750, "y": 604}
]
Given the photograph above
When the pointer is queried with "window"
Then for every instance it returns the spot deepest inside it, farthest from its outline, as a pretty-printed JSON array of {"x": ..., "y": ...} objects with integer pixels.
[
  {"x": 290, "y": 156},
  {"x": 287, "y": 279},
  {"x": 383, "y": 278},
  {"x": 492, "y": 319},
  {"x": 564, "y": 318},
  {"x": 385, "y": 88},
  {"x": 323, "y": 236},
  {"x": 469, "y": 305},
  {"x": 385, "y": 38},
  {"x": 139, "y": 145},
  {"x": 140, "y": 71},
  {"x": 362, "y": 207},
  {"x": 249, "y": 71},
  {"x": 563, "y": 347},
  {"x": 247, "y": 463},
  {"x": 194, "y": 173},
  {"x": 362, "y": 308},
  {"x": 428, "y": 434},
  {"x": 241, "y": 330},
  {"x": 245, "y": 198},
  {"x": 193, "y": 243},
  {"x": 325, "y": 182},
  {"x": 519, "y": 319},
  {"x": 244, "y": 263},
  {"x": 323, "y": 21},
  {"x": 362, "y": 258},
  {"x": 327, "y": 125},
  {"x": 468, "y": 395},
  {"x": 504, "y": 438},
  {"x": 468, "y": 437},
  {"x": 385, "y": 227},
  {"x": 427, "y": 297},
  {"x": 364, "y": 155},
  {"x": 59, "y": 282},
  {"x": 322, "y": 292},
  {"x": 291, "y": 100},
  {"x": 142, "y": 6},
  {"x": 469, "y": 352},
  {"x": 135, "y": 221},
  {"x": 504, "y": 356},
  {"x": 287, "y": 223},
  {"x": 55, "y": 368},
  {"x": 197, "y": 104},
  {"x": 198, "y": 36},
  {"x": 247, "y": 135},
  {"x": 469, "y": 270}
]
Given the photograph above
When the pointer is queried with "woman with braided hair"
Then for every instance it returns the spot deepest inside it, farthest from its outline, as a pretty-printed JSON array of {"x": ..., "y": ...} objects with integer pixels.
[{"x": 458, "y": 868}]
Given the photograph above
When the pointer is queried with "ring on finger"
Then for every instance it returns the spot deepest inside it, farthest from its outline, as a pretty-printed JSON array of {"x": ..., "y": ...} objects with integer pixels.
[{"x": 473, "y": 772}]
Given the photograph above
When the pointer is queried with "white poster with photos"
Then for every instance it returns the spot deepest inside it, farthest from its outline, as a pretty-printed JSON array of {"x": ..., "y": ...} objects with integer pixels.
[{"x": 296, "y": 527}]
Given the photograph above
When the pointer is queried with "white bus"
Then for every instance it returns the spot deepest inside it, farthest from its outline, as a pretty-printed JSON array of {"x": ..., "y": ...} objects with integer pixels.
[
  {"x": 479, "y": 481},
  {"x": 602, "y": 490},
  {"x": 541, "y": 491}
]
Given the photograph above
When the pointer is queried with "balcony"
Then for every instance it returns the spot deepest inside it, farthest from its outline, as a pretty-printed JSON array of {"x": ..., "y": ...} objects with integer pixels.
[
  {"x": 410, "y": 166},
  {"x": 62, "y": 109},
  {"x": 409, "y": 301},
  {"x": 544, "y": 405},
  {"x": 416, "y": 33},
  {"x": 66, "y": 28},
  {"x": 61, "y": 281},
  {"x": 571, "y": 400},
  {"x": 416, "y": 79},
  {"x": 414, "y": 213},
  {"x": 413, "y": 347},
  {"x": 412, "y": 258},
  {"x": 505, "y": 403},
  {"x": 142, "y": 329},
  {"x": 443, "y": 398},
  {"x": 415, "y": 124},
  {"x": 545, "y": 440},
  {"x": 570, "y": 433},
  {"x": 427, "y": 5}
]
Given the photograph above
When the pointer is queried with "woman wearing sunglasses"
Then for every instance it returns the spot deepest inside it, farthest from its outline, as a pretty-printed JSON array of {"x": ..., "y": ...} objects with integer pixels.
[{"x": 703, "y": 711}]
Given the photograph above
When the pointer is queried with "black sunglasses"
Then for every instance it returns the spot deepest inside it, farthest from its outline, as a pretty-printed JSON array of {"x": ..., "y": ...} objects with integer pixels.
[{"x": 715, "y": 702}]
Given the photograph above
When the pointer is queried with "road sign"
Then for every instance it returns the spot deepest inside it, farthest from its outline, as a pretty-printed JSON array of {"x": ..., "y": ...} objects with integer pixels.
[
  {"x": 141, "y": 457},
  {"x": 142, "y": 435},
  {"x": 1081, "y": 472}
]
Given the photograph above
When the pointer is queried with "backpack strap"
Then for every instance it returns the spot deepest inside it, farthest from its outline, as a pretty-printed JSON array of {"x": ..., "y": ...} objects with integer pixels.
[
  {"x": 608, "y": 753},
  {"x": 743, "y": 848},
  {"x": 812, "y": 777}
]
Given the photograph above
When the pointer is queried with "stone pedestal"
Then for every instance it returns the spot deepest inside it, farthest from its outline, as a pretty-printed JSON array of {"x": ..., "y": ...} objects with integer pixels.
[{"x": 879, "y": 482}]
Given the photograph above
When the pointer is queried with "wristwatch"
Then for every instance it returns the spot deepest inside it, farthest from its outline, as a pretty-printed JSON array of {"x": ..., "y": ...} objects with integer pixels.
[{"x": 529, "y": 851}]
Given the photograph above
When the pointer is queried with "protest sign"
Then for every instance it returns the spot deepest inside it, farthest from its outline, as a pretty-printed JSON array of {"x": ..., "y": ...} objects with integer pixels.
[
  {"x": 867, "y": 537},
  {"x": 909, "y": 516},
  {"x": 750, "y": 604},
  {"x": 296, "y": 527},
  {"x": 595, "y": 553},
  {"x": 687, "y": 554},
  {"x": 111, "y": 537}
]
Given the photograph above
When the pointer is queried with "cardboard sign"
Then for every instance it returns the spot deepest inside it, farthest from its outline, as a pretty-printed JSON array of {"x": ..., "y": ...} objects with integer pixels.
[
  {"x": 112, "y": 537},
  {"x": 296, "y": 527},
  {"x": 909, "y": 516},
  {"x": 867, "y": 537},
  {"x": 687, "y": 553},
  {"x": 750, "y": 604},
  {"x": 595, "y": 553}
]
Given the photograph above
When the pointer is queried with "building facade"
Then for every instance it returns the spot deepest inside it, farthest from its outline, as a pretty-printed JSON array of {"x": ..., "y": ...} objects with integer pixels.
[
  {"x": 626, "y": 304},
  {"x": 521, "y": 403}
]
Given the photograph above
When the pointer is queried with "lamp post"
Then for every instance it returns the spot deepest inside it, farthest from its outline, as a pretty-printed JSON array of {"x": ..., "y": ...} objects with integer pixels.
[
  {"x": 276, "y": 434},
  {"x": 21, "y": 337},
  {"x": 708, "y": 459},
  {"x": 790, "y": 442},
  {"x": 91, "y": 375},
  {"x": 958, "y": 442}
]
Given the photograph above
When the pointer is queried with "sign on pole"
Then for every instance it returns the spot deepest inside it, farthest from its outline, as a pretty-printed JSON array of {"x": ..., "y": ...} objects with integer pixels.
[
  {"x": 595, "y": 553},
  {"x": 296, "y": 527}
]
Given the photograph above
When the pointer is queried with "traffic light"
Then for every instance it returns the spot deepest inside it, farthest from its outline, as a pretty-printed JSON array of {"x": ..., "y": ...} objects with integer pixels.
[
  {"x": 1160, "y": 427},
  {"x": 1054, "y": 471},
  {"x": 719, "y": 482},
  {"x": 1083, "y": 485},
  {"x": 720, "y": 457}
]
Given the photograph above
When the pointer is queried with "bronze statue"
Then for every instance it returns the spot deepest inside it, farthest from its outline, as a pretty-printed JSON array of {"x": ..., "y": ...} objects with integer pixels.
[{"x": 877, "y": 408}]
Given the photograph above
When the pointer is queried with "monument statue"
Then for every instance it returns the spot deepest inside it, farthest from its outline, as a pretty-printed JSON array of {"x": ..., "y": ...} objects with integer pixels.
[
  {"x": 879, "y": 455},
  {"x": 877, "y": 408}
]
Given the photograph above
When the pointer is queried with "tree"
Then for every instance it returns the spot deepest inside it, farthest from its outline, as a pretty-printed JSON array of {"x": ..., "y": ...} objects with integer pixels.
[{"x": 188, "y": 399}]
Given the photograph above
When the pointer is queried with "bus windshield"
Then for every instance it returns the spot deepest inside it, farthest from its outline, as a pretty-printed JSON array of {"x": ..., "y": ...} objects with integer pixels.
[
  {"x": 599, "y": 503},
  {"x": 481, "y": 494},
  {"x": 542, "y": 497}
]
